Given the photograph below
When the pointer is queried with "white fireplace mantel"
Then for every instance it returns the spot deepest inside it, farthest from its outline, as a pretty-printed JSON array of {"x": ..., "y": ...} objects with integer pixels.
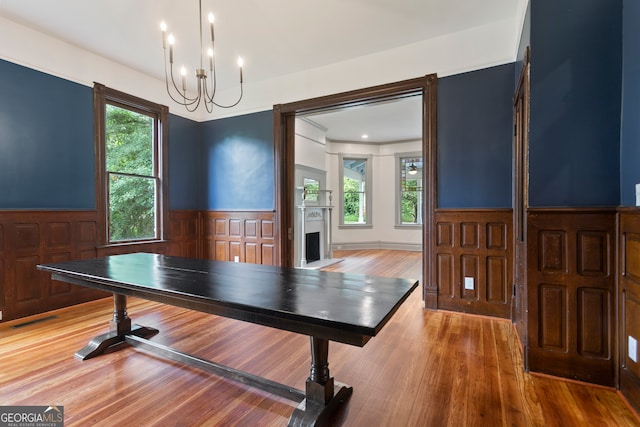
[
  {"x": 315, "y": 219},
  {"x": 315, "y": 216}
]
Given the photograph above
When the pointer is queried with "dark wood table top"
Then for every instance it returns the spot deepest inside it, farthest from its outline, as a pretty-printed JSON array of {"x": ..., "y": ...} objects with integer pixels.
[{"x": 340, "y": 307}]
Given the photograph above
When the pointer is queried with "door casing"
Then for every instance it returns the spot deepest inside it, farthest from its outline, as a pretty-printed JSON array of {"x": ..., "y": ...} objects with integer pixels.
[{"x": 284, "y": 157}]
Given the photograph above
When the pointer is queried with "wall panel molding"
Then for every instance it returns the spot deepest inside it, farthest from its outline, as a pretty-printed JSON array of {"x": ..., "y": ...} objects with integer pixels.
[
  {"x": 183, "y": 233},
  {"x": 476, "y": 244},
  {"x": 571, "y": 289},
  {"x": 248, "y": 235},
  {"x": 628, "y": 297},
  {"x": 28, "y": 238}
]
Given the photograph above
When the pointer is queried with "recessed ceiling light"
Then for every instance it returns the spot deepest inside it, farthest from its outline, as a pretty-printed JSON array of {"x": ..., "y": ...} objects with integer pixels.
[{"x": 365, "y": 136}]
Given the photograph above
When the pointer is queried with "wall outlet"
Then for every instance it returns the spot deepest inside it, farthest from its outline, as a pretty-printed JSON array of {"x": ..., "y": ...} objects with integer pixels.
[
  {"x": 637, "y": 194},
  {"x": 468, "y": 284},
  {"x": 236, "y": 258},
  {"x": 633, "y": 349},
  {"x": 0, "y": 314}
]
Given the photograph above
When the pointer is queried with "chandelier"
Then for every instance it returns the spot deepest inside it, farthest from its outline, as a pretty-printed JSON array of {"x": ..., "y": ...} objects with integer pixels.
[{"x": 206, "y": 91}]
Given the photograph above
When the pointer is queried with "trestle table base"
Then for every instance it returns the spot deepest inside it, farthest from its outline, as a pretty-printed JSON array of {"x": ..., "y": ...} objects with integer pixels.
[{"x": 316, "y": 405}]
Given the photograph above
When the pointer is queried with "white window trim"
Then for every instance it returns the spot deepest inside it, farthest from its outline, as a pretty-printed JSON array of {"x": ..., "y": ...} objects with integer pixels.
[
  {"x": 398, "y": 191},
  {"x": 368, "y": 190}
]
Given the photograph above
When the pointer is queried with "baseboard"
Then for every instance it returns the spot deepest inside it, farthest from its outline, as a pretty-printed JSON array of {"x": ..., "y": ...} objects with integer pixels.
[{"x": 378, "y": 245}]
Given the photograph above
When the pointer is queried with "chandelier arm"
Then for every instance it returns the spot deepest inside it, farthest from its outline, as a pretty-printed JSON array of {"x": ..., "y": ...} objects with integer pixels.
[
  {"x": 195, "y": 103},
  {"x": 186, "y": 100},
  {"x": 209, "y": 97},
  {"x": 166, "y": 80},
  {"x": 194, "y": 108},
  {"x": 183, "y": 95},
  {"x": 207, "y": 105},
  {"x": 199, "y": 83},
  {"x": 230, "y": 105}
]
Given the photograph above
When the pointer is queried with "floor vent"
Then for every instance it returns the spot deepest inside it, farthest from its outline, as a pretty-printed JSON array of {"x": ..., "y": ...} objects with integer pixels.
[{"x": 32, "y": 322}]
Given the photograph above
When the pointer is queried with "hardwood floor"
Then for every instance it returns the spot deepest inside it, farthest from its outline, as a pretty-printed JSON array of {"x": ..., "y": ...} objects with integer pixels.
[{"x": 426, "y": 368}]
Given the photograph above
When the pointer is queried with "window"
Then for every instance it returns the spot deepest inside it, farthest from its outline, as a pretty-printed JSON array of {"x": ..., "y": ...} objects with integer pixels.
[
  {"x": 409, "y": 199},
  {"x": 131, "y": 135},
  {"x": 355, "y": 191}
]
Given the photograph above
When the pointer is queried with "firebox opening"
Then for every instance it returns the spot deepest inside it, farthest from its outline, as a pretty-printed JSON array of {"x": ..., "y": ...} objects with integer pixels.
[{"x": 312, "y": 246}]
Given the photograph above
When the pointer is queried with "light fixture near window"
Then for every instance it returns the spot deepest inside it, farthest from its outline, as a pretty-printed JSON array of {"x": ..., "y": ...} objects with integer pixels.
[
  {"x": 413, "y": 169},
  {"x": 205, "y": 91}
]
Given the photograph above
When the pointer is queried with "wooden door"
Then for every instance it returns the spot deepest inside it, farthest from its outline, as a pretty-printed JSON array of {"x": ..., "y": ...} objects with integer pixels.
[{"x": 520, "y": 203}]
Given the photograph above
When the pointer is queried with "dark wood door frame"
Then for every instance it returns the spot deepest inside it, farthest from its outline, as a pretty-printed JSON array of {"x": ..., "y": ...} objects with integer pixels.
[
  {"x": 521, "y": 204},
  {"x": 284, "y": 156}
]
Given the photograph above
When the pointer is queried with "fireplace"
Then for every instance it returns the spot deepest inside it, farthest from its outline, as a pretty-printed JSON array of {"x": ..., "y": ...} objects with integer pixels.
[
  {"x": 313, "y": 241},
  {"x": 312, "y": 246}
]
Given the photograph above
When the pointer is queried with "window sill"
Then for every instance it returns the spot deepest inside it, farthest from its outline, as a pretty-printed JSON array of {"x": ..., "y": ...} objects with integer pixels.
[
  {"x": 408, "y": 226},
  {"x": 354, "y": 226},
  {"x": 137, "y": 242}
]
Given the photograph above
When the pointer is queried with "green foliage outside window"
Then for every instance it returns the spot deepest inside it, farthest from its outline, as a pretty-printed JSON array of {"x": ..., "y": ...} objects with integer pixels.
[
  {"x": 130, "y": 171},
  {"x": 410, "y": 202},
  {"x": 410, "y": 191},
  {"x": 352, "y": 198}
]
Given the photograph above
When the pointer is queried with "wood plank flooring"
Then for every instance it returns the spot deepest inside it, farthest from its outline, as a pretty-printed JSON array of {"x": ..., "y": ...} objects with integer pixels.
[{"x": 426, "y": 368}]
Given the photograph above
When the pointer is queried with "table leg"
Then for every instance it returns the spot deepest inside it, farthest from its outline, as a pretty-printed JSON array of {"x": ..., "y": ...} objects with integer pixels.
[
  {"x": 324, "y": 396},
  {"x": 319, "y": 384},
  {"x": 121, "y": 322},
  {"x": 119, "y": 327}
]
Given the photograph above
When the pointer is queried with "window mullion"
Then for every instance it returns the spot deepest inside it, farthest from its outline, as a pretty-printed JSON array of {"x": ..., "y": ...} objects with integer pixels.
[{"x": 132, "y": 175}]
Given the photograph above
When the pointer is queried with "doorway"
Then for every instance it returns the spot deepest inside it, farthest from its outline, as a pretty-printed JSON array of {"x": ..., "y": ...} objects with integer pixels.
[{"x": 284, "y": 156}]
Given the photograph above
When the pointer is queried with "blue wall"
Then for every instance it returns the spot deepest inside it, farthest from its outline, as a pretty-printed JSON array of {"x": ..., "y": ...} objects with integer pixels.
[
  {"x": 475, "y": 123},
  {"x": 575, "y": 103},
  {"x": 239, "y": 163},
  {"x": 630, "y": 128},
  {"x": 47, "y": 158},
  {"x": 46, "y": 129},
  {"x": 46, "y": 141},
  {"x": 185, "y": 164}
]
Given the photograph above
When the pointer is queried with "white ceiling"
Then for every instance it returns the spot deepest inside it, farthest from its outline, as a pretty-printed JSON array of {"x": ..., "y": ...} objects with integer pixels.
[
  {"x": 275, "y": 37},
  {"x": 384, "y": 122}
]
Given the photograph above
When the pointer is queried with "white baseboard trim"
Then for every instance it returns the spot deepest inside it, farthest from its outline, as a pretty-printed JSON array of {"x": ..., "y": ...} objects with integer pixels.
[{"x": 378, "y": 245}]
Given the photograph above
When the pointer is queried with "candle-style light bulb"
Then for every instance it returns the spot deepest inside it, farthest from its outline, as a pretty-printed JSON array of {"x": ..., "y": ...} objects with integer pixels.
[
  {"x": 183, "y": 72},
  {"x": 171, "y": 39},
  {"x": 211, "y": 19},
  {"x": 163, "y": 28},
  {"x": 210, "y": 53},
  {"x": 240, "y": 64}
]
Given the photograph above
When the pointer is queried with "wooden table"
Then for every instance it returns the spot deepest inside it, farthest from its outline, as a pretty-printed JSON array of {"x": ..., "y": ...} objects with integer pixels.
[{"x": 326, "y": 306}]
